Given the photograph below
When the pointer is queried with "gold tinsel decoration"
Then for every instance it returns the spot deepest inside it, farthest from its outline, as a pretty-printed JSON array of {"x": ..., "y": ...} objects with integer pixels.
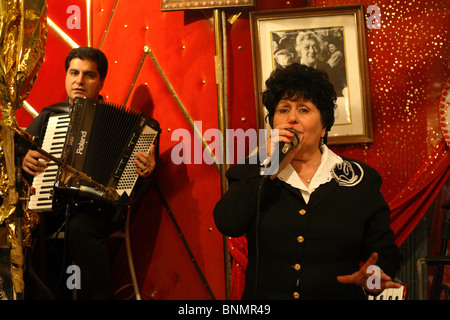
[{"x": 23, "y": 36}]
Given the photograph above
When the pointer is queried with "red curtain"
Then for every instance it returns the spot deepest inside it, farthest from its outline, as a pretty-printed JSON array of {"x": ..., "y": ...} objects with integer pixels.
[
  {"x": 407, "y": 209},
  {"x": 411, "y": 204},
  {"x": 237, "y": 248}
]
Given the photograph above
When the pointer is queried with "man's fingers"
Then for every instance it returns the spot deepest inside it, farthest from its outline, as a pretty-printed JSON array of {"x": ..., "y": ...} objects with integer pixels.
[{"x": 29, "y": 171}]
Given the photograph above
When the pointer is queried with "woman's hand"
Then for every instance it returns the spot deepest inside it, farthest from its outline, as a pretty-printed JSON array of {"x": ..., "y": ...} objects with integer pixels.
[
  {"x": 282, "y": 135},
  {"x": 361, "y": 277},
  {"x": 145, "y": 162}
]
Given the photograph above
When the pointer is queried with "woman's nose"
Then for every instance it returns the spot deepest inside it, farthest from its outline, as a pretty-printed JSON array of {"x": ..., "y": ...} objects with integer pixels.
[{"x": 292, "y": 118}]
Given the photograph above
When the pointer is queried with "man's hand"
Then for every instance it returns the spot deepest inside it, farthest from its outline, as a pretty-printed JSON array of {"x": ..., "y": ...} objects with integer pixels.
[
  {"x": 145, "y": 162},
  {"x": 31, "y": 163}
]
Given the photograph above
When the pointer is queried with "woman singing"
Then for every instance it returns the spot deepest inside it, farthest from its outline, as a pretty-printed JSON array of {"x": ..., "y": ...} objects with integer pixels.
[{"x": 316, "y": 225}]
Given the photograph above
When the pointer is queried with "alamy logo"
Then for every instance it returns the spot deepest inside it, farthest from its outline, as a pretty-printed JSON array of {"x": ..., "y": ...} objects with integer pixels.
[
  {"x": 374, "y": 280},
  {"x": 374, "y": 21},
  {"x": 74, "y": 280},
  {"x": 240, "y": 143}
]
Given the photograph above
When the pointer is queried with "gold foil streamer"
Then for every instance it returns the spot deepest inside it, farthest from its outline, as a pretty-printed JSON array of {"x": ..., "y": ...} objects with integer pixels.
[{"x": 23, "y": 36}]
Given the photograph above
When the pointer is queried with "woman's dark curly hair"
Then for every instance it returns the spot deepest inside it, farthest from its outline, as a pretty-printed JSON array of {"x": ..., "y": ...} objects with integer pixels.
[{"x": 300, "y": 81}]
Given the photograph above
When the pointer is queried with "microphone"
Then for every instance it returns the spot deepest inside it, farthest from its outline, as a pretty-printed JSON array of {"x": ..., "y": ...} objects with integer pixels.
[
  {"x": 285, "y": 147},
  {"x": 270, "y": 165}
]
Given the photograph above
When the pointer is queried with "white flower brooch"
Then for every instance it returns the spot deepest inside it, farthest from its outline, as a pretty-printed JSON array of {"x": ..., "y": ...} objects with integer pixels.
[{"x": 347, "y": 174}]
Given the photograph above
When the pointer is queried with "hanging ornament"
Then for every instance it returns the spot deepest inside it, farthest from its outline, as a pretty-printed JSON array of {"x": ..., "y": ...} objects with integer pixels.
[{"x": 443, "y": 112}]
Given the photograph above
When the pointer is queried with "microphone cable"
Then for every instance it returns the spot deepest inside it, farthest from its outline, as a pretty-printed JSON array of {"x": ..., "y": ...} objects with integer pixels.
[
  {"x": 284, "y": 150},
  {"x": 258, "y": 209}
]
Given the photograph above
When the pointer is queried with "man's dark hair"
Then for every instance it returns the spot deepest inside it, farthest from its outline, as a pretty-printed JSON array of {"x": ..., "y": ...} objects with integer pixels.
[{"x": 92, "y": 54}]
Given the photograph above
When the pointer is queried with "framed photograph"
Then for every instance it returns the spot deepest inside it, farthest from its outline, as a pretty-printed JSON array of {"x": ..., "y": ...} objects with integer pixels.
[
  {"x": 173, "y": 5},
  {"x": 331, "y": 39}
]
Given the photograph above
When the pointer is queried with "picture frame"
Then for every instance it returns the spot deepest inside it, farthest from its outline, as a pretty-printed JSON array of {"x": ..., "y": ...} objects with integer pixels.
[
  {"x": 176, "y": 5},
  {"x": 275, "y": 35}
]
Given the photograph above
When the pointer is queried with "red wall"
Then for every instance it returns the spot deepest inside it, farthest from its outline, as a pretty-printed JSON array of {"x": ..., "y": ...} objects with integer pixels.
[{"x": 408, "y": 65}]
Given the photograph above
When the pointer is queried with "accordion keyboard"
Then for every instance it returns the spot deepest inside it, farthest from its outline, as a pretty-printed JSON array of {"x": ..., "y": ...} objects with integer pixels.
[{"x": 43, "y": 183}]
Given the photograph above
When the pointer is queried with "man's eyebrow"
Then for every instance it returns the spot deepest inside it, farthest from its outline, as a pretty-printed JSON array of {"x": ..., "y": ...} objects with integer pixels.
[{"x": 91, "y": 72}]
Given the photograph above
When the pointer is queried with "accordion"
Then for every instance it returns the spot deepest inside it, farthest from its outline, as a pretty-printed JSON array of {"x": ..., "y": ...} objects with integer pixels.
[{"x": 101, "y": 142}]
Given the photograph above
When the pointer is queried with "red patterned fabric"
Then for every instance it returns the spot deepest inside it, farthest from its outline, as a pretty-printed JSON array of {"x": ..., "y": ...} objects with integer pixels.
[{"x": 238, "y": 250}]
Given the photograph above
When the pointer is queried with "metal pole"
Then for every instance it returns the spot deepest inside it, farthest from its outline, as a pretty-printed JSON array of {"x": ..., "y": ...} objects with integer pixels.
[
  {"x": 89, "y": 23},
  {"x": 222, "y": 111}
]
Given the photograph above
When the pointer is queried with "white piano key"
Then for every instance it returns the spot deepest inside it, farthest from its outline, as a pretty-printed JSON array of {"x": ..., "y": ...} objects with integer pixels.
[
  {"x": 43, "y": 183},
  {"x": 389, "y": 294}
]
